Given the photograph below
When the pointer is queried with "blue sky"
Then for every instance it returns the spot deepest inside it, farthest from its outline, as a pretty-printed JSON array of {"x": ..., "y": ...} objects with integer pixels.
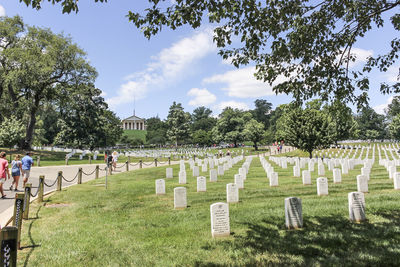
[{"x": 180, "y": 65}]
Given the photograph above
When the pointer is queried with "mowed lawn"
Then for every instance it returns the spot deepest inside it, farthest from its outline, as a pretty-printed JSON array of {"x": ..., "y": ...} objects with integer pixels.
[{"x": 128, "y": 225}]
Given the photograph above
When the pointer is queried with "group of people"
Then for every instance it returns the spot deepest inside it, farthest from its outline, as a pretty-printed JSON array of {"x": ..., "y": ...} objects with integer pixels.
[
  {"x": 18, "y": 166},
  {"x": 111, "y": 159}
]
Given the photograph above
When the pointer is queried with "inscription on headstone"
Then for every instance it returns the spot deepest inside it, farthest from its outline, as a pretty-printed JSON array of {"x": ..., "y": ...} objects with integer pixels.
[
  {"x": 322, "y": 186},
  {"x": 201, "y": 184},
  {"x": 220, "y": 219},
  {"x": 293, "y": 213},
  {"x": 160, "y": 187}
]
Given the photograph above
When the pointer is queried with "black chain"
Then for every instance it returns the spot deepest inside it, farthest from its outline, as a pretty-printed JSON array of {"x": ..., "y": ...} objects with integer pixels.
[
  {"x": 52, "y": 184},
  {"x": 37, "y": 191},
  {"x": 87, "y": 174},
  {"x": 161, "y": 163},
  {"x": 118, "y": 167},
  {"x": 72, "y": 179},
  {"x": 131, "y": 164},
  {"x": 144, "y": 163}
]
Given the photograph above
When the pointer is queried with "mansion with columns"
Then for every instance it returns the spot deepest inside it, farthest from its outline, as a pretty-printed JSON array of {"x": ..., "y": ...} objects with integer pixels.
[{"x": 133, "y": 123}]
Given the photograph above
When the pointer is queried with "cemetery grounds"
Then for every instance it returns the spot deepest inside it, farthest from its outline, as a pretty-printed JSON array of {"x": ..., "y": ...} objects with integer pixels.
[{"x": 129, "y": 225}]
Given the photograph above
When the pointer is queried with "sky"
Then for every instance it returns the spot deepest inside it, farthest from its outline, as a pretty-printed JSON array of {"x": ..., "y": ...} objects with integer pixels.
[{"x": 181, "y": 65}]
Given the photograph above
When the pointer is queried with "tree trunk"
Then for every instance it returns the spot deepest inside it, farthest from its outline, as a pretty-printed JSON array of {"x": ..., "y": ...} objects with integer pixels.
[
  {"x": 27, "y": 142},
  {"x": 310, "y": 153},
  {"x": 255, "y": 146}
]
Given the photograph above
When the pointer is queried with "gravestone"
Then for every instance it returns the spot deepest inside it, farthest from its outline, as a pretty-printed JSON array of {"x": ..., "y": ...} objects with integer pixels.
[
  {"x": 242, "y": 172},
  {"x": 180, "y": 201},
  {"x": 311, "y": 165},
  {"x": 293, "y": 213},
  {"x": 365, "y": 171},
  {"x": 392, "y": 171},
  {"x": 201, "y": 184},
  {"x": 321, "y": 169},
  {"x": 306, "y": 177},
  {"x": 396, "y": 181},
  {"x": 232, "y": 193},
  {"x": 196, "y": 171},
  {"x": 220, "y": 219},
  {"x": 204, "y": 167},
  {"x": 356, "y": 206},
  {"x": 182, "y": 177},
  {"x": 213, "y": 175},
  {"x": 296, "y": 171},
  {"x": 226, "y": 167},
  {"x": 345, "y": 167},
  {"x": 284, "y": 164},
  {"x": 273, "y": 180},
  {"x": 160, "y": 187},
  {"x": 322, "y": 186},
  {"x": 337, "y": 176},
  {"x": 169, "y": 173},
  {"x": 362, "y": 183},
  {"x": 220, "y": 170},
  {"x": 239, "y": 181}
]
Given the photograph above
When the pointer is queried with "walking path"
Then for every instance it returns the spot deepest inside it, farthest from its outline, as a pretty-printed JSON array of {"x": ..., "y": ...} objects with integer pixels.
[{"x": 51, "y": 172}]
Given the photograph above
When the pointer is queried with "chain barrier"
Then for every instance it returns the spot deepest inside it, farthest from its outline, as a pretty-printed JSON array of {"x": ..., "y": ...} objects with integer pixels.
[
  {"x": 144, "y": 163},
  {"x": 161, "y": 163},
  {"x": 72, "y": 179},
  {"x": 131, "y": 164},
  {"x": 87, "y": 174},
  {"x": 118, "y": 167},
  {"x": 37, "y": 191},
  {"x": 52, "y": 184}
]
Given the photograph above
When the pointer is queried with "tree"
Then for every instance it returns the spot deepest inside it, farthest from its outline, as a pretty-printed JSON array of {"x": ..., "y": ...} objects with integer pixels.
[
  {"x": 202, "y": 137},
  {"x": 156, "y": 131},
  {"x": 393, "y": 108},
  {"x": 394, "y": 127},
  {"x": 371, "y": 125},
  {"x": 262, "y": 112},
  {"x": 230, "y": 126},
  {"x": 178, "y": 123},
  {"x": 202, "y": 120},
  {"x": 342, "y": 119},
  {"x": 254, "y": 131},
  {"x": 11, "y": 132},
  {"x": 303, "y": 46},
  {"x": 306, "y": 129}
]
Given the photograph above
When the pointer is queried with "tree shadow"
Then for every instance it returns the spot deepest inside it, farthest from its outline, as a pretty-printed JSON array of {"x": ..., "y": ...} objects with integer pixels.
[{"x": 324, "y": 240}]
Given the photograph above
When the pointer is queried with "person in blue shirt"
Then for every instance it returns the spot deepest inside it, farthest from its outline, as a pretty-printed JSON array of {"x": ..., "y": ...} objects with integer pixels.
[{"x": 27, "y": 162}]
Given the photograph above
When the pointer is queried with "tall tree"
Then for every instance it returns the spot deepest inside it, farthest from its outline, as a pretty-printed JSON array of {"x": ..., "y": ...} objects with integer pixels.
[
  {"x": 254, "y": 131},
  {"x": 178, "y": 123},
  {"x": 262, "y": 111},
  {"x": 371, "y": 125},
  {"x": 394, "y": 127},
  {"x": 393, "y": 108},
  {"x": 202, "y": 119},
  {"x": 306, "y": 129},
  {"x": 230, "y": 126},
  {"x": 156, "y": 131},
  {"x": 304, "y": 46},
  {"x": 11, "y": 132}
]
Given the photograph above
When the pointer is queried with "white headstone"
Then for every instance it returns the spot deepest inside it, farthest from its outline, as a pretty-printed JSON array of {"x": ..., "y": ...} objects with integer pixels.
[
  {"x": 169, "y": 173},
  {"x": 362, "y": 183},
  {"x": 306, "y": 177},
  {"x": 160, "y": 187},
  {"x": 273, "y": 180},
  {"x": 356, "y": 206},
  {"x": 311, "y": 166},
  {"x": 396, "y": 181},
  {"x": 232, "y": 193},
  {"x": 213, "y": 175},
  {"x": 201, "y": 184},
  {"x": 220, "y": 219},
  {"x": 345, "y": 167},
  {"x": 204, "y": 167},
  {"x": 182, "y": 177},
  {"x": 296, "y": 171},
  {"x": 220, "y": 170},
  {"x": 322, "y": 186},
  {"x": 293, "y": 213},
  {"x": 337, "y": 176},
  {"x": 321, "y": 169},
  {"x": 242, "y": 172},
  {"x": 180, "y": 201},
  {"x": 239, "y": 181},
  {"x": 196, "y": 171}
]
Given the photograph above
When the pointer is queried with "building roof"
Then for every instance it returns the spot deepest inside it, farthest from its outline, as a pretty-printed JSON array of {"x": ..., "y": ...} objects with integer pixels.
[{"x": 133, "y": 118}]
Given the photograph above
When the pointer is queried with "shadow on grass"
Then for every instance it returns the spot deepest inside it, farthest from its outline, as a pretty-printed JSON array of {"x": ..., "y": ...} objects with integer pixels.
[{"x": 324, "y": 240}]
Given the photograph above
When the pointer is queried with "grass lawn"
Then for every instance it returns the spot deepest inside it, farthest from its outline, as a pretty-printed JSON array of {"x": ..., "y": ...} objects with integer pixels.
[
  {"x": 139, "y": 134},
  {"x": 128, "y": 225}
]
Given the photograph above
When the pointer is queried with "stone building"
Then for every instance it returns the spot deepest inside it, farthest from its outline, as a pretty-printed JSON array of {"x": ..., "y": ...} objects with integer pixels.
[{"x": 133, "y": 123}]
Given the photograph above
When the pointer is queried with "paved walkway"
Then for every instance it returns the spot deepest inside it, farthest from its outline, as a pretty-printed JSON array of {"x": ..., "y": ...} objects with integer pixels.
[{"x": 51, "y": 172}]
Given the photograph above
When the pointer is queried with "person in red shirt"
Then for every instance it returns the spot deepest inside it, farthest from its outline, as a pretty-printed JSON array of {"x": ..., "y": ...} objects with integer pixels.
[{"x": 4, "y": 174}]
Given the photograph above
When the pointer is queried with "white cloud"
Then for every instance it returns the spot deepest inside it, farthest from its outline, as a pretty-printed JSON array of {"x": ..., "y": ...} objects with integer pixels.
[
  {"x": 242, "y": 83},
  {"x": 361, "y": 56},
  {"x": 392, "y": 75},
  {"x": 168, "y": 66},
  {"x": 202, "y": 97},
  {"x": 232, "y": 104},
  {"x": 380, "y": 109},
  {"x": 2, "y": 11}
]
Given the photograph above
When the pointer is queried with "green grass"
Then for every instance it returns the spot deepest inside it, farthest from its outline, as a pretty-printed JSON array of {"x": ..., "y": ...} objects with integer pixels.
[
  {"x": 139, "y": 134},
  {"x": 128, "y": 225}
]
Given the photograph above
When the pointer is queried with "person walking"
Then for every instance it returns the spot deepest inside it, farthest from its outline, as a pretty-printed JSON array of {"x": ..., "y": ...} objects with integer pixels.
[
  {"x": 4, "y": 174},
  {"x": 27, "y": 163},
  {"x": 16, "y": 169}
]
